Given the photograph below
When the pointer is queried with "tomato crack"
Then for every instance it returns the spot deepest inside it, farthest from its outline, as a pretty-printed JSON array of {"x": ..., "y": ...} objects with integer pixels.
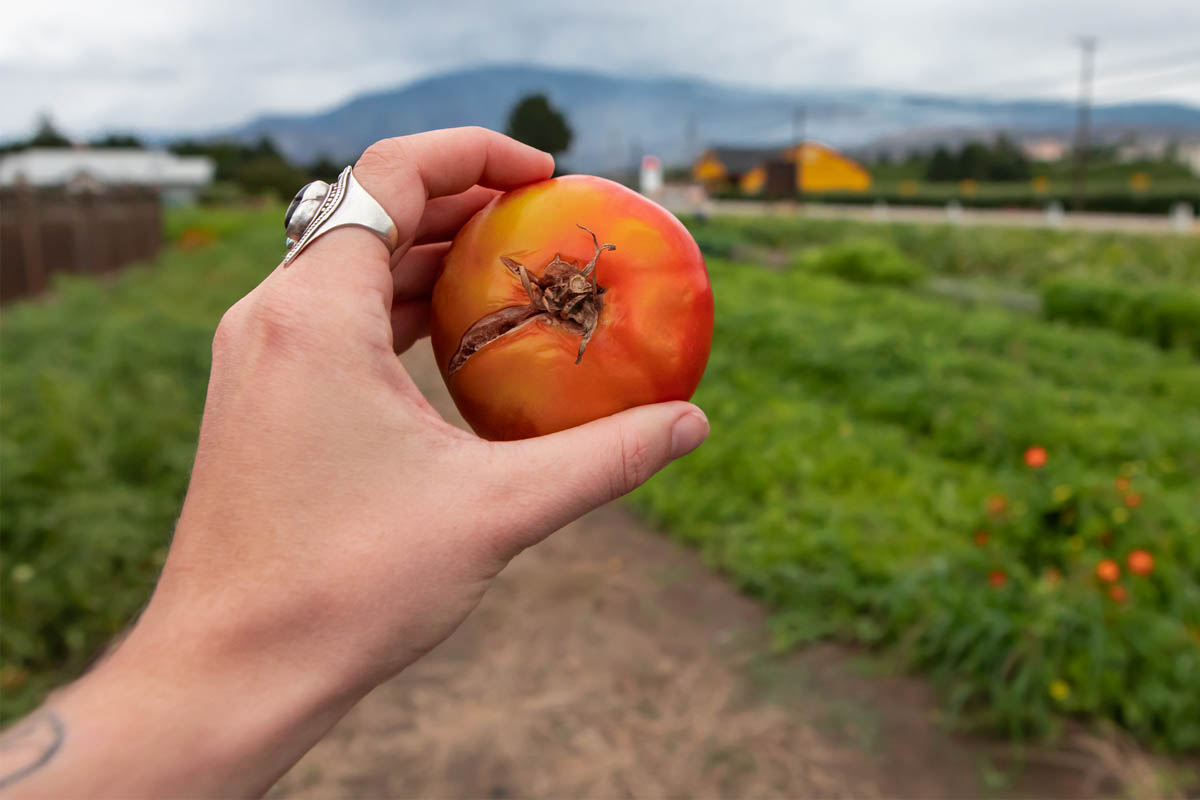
[{"x": 564, "y": 295}]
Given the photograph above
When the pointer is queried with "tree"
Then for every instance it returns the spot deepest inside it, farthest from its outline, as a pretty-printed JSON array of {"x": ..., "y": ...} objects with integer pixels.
[
  {"x": 974, "y": 161},
  {"x": 324, "y": 168},
  {"x": 266, "y": 148},
  {"x": 1009, "y": 163},
  {"x": 117, "y": 140},
  {"x": 256, "y": 167},
  {"x": 538, "y": 124},
  {"x": 942, "y": 166},
  {"x": 47, "y": 135},
  {"x": 263, "y": 174}
]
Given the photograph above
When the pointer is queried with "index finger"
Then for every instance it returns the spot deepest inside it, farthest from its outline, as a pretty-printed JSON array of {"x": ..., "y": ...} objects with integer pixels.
[{"x": 404, "y": 172}]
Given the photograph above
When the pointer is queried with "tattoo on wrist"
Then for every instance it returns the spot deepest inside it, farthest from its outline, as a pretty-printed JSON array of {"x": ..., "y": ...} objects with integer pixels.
[{"x": 29, "y": 745}]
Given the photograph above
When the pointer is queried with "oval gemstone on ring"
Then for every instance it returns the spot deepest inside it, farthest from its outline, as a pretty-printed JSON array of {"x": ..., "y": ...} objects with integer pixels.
[{"x": 303, "y": 208}]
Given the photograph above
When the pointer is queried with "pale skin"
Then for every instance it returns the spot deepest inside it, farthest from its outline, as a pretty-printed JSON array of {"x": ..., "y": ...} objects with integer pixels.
[{"x": 335, "y": 528}]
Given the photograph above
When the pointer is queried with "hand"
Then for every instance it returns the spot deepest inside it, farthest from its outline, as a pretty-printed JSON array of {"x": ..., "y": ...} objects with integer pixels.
[{"x": 335, "y": 528}]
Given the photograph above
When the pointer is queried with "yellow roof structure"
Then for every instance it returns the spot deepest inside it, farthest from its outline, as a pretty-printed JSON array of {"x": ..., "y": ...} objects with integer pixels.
[{"x": 819, "y": 168}]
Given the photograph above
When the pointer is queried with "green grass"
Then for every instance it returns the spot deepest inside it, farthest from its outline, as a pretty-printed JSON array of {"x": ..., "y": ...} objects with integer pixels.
[
  {"x": 858, "y": 433},
  {"x": 1020, "y": 257},
  {"x": 861, "y": 428},
  {"x": 103, "y": 384}
]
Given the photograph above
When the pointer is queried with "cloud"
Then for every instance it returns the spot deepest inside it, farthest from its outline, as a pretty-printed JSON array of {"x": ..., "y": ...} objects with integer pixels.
[{"x": 173, "y": 66}]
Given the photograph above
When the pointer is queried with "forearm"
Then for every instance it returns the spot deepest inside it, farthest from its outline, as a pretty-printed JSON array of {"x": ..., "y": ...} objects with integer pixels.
[
  {"x": 335, "y": 528},
  {"x": 169, "y": 715}
]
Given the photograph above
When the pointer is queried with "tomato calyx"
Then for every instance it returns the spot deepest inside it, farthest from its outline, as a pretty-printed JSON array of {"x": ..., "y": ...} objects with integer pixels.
[{"x": 564, "y": 295}]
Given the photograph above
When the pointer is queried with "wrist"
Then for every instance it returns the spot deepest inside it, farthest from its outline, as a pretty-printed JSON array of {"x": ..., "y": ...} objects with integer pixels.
[{"x": 241, "y": 720}]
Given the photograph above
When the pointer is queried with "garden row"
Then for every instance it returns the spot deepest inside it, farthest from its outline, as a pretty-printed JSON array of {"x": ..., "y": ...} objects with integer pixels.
[
  {"x": 104, "y": 383},
  {"x": 1142, "y": 286},
  {"x": 1009, "y": 503}
]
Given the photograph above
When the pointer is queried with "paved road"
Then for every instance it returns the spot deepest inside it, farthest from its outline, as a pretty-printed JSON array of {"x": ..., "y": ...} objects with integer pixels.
[{"x": 1130, "y": 223}]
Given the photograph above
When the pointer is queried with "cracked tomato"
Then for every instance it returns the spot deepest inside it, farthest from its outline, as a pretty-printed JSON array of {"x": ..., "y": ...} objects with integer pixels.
[{"x": 568, "y": 300}]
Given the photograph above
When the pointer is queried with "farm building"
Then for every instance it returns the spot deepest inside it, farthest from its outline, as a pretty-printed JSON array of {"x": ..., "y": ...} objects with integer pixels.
[
  {"x": 814, "y": 166},
  {"x": 174, "y": 178}
]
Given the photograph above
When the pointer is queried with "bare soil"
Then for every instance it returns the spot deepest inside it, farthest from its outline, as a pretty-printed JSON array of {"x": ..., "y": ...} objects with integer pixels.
[{"x": 610, "y": 661}]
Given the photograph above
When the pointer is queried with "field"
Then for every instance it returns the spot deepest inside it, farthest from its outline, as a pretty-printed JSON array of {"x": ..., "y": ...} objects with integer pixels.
[
  {"x": 1110, "y": 187},
  {"x": 874, "y": 391}
]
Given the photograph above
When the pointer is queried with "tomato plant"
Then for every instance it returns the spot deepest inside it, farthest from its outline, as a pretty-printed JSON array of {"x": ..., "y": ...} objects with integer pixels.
[{"x": 568, "y": 300}]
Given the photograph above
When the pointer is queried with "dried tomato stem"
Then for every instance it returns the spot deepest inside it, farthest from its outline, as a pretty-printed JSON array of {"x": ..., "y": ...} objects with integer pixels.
[{"x": 562, "y": 295}]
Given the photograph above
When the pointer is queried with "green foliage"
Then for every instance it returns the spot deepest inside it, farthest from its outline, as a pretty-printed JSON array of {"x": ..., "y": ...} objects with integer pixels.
[
  {"x": 1000, "y": 160},
  {"x": 717, "y": 241},
  {"x": 103, "y": 385},
  {"x": 222, "y": 193},
  {"x": 269, "y": 175},
  {"x": 860, "y": 436},
  {"x": 257, "y": 168},
  {"x": 1167, "y": 315},
  {"x": 1020, "y": 257},
  {"x": 1160, "y": 199},
  {"x": 48, "y": 135},
  {"x": 866, "y": 261},
  {"x": 117, "y": 140},
  {"x": 537, "y": 123}
]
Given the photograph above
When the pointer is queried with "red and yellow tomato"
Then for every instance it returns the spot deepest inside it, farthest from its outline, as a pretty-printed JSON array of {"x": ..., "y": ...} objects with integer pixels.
[{"x": 650, "y": 319}]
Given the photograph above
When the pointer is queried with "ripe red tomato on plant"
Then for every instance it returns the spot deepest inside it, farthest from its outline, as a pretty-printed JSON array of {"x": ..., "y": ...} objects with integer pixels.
[
  {"x": 1108, "y": 570},
  {"x": 1140, "y": 562},
  {"x": 1035, "y": 457},
  {"x": 568, "y": 300}
]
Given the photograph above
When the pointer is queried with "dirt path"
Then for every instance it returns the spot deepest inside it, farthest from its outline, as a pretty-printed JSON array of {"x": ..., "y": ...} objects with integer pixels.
[{"x": 609, "y": 662}]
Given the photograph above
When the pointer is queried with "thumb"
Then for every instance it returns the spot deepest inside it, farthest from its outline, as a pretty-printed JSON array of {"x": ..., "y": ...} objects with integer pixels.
[{"x": 597, "y": 462}]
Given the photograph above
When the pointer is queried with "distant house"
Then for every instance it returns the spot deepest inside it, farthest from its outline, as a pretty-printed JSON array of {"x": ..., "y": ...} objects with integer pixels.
[
  {"x": 1153, "y": 148},
  {"x": 176, "y": 178},
  {"x": 1143, "y": 148},
  {"x": 1189, "y": 153},
  {"x": 778, "y": 171},
  {"x": 1045, "y": 148}
]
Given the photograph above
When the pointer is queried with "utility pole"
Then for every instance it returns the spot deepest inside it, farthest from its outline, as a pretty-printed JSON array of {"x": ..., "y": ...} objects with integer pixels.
[
  {"x": 1087, "y": 46},
  {"x": 691, "y": 134},
  {"x": 798, "y": 119}
]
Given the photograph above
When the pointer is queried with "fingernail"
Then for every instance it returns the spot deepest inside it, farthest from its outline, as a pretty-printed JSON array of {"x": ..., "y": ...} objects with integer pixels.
[{"x": 688, "y": 433}]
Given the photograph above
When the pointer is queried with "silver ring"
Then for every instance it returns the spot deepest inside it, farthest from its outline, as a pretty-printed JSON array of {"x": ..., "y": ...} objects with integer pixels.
[{"x": 319, "y": 207}]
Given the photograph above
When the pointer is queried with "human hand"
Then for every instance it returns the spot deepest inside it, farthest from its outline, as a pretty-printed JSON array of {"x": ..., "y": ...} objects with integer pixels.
[{"x": 335, "y": 527}]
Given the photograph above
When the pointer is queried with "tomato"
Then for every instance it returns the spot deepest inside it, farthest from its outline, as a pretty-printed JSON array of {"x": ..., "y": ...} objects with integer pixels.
[
  {"x": 568, "y": 300},
  {"x": 1035, "y": 457},
  {"x": 1108, "y": 570},
  {"x": 1140, "y": 562}
]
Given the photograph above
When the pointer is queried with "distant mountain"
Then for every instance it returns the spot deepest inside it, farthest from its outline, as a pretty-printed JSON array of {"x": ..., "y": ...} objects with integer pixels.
[{"x": 615, "y": 118}]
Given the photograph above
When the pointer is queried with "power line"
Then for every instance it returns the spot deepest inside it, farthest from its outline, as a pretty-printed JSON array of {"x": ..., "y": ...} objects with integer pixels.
[
  {"x": 691, "y": 136},
  {"x": 1178, "y": 59},
  {"x": 1159, "y": 77},
  {"x": 1173, "y": 88},
  {"x": 1154, "y": 61},
  {"x": 799, "y": 117}
]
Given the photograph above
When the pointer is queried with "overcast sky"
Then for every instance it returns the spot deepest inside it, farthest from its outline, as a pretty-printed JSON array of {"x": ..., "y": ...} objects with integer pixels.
[{"x": 197, "y": 65}]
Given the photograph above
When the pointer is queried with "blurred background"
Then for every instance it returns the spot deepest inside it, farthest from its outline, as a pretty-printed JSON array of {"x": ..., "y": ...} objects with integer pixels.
[{"x": 945, "y": 537}]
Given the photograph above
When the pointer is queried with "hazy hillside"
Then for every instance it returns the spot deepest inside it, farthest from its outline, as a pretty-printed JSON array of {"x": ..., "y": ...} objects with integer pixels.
[{"x": 616, "y": 117}]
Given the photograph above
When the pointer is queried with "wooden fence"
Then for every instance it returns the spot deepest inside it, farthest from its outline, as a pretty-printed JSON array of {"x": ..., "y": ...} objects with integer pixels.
[{"x": 47, "y": 231}]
